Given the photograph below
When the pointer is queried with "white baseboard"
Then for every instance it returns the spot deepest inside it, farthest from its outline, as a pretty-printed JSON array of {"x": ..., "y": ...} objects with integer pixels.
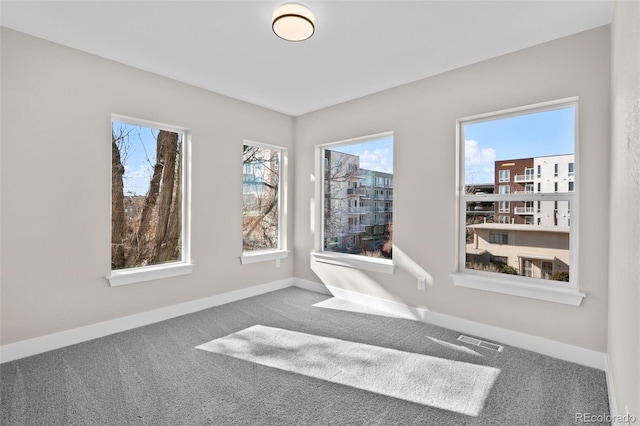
[
  {"x": 61, "y": 339},
  {"x": 576, "y": 354},
  {"x": 548, "y": 347},
  {"x": 613, "y": 406},
  {"x": 311, "y": 286}
]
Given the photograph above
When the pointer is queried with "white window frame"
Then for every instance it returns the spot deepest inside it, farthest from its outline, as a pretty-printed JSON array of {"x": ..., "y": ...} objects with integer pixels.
[
  {"x": 317, "y": 222},
  {"x": 249, "y": 257},
  {"x": 184, "y": 266},
  {"x": 504, "y": 175},
  {"x": 558, "y": 292}
]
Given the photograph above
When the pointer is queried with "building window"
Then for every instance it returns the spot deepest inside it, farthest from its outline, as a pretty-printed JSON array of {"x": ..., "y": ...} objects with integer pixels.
[
  {"x": 365, "y": 232},
  {"x": 261, "y": 197},
  {"x": 149, "y": 201},
  {"x": 570, "y": 168},
  {"x": 496, "y": 237},
  {"x": 504, "y": 219},
  {"x": 553, "y": 238},
  {"x": 570, "y": 186},
  {"x": 528, "y": 268},
  {"x": 504, "y": 175},
  {"x": 547, "y": 269},
  {"x": 528, "y": 174}
]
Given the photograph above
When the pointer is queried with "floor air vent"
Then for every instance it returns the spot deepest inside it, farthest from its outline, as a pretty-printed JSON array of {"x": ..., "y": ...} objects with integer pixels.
[{"x": 481, "y": 343}]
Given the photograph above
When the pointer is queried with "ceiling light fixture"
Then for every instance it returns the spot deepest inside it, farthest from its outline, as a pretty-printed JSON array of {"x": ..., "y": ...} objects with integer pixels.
[{"x": 293, "y": 22}]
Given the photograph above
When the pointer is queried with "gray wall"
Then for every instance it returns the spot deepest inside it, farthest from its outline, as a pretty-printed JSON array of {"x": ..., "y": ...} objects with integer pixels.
[
  {"x": 423, "y": 116},
  {"x": 56, "y": 106},
  {"x": 624, "y": 253}
]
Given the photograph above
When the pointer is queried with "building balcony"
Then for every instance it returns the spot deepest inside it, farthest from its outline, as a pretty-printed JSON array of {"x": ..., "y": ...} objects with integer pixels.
[
  {"x": 355, "y": 191},
  {"x": 355, "y": 229},
  {"x": 523, "y": 210},
  {"x": 358, "y": 210},
  {"x": 523, "y": 178}
]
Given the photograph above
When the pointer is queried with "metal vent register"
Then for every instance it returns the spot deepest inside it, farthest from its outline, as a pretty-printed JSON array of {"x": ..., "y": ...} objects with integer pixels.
[{"x": 481, "y": 343}]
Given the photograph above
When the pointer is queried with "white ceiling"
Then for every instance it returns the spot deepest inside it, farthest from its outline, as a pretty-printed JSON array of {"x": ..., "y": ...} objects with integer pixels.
[{"x": 359, "y": 48}]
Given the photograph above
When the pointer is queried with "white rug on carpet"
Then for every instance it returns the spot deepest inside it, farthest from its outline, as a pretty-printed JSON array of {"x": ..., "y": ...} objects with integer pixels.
[{"x": 437, "y": 382}]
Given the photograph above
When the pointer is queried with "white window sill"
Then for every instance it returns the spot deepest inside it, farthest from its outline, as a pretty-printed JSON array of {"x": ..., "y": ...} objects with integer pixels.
[
  {"x": 148, "y": 273},
  {"x": 354, "y": 261},
  {"x": 263, "y": 256},
  {"x": 550, "y": 293}
]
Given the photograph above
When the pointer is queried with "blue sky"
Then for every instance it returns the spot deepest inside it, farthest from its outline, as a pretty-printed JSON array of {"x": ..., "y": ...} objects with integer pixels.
[
  {"x": 376, "y": 155},
  {"x": 140, "y": 157},
  {"x": 524, "y": 136}
]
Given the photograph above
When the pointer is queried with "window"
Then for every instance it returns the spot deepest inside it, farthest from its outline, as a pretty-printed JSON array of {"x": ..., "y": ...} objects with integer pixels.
[
  {"x": 528, "y": 174},
  {"x": 356, "y": 226},
  {"x": 570, "y": 168},
  {"x": 504, "y": 175},
  {"x": 504, "y": 219},
  {"x": 547, "y": 269},
  {"x": 570, "y": 186},
  {"x": 496, "y": 237},
  {"x": 262, "y": 196},
  {"x": 149, "y": 201},
  {"x": 524, "y": 245}
]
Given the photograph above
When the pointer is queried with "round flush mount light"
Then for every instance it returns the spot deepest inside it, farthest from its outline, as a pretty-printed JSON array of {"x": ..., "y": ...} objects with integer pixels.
[{"x": 293, "y": 22}]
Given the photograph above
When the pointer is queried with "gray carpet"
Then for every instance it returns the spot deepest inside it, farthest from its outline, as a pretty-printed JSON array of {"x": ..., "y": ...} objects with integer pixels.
[{"x": 156, "y": 375}]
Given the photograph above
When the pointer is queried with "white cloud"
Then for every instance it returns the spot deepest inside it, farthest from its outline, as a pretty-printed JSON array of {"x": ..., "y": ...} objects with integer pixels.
[
  {"x": 474, "y": 155},
  {"x": 137, "y": 180},
  {"x": 379, "y": 160}
]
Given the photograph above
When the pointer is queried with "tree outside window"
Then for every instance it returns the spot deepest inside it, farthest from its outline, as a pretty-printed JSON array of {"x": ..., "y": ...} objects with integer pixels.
[
  {"x": 146, "y": 195},
  {"x": 261, "y": 198}
]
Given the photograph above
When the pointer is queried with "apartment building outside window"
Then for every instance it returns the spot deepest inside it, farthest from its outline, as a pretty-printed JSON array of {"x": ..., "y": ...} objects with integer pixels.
[
  {"x": 263, "y": 197},
  {"x": 541, "y": 255},
  {"x": 356, "y": 208}
]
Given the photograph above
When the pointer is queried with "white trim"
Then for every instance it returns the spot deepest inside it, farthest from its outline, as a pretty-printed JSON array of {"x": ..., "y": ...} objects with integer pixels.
[
  {"x": 355, "y": 261},
  {"x": 576, "y": 354},
  {"x": 540, "y": 291},
  {"x": 61, "y": 339},
  {"x": 148, "y": 273},
  {"x": 590, "y": 358},
  {"x": 318, "y": 207},
  {"x": 263, "y": 256},
  {"x": 283, "y": 179},
  {"x": 613, "y": 406},
  {"x": 370, "y": 138},
  {"x": 311, "y": 286},
  {"x": 517, "y": 286},
  {"x": 184, "y": 265}
]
